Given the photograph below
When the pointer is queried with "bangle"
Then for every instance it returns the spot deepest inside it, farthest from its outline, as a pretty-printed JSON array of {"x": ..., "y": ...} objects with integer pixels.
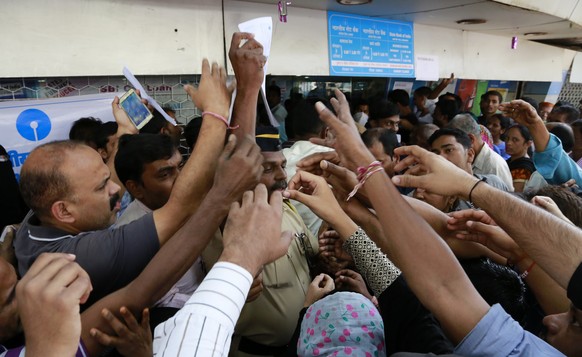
[
  {"x": 473, "y": 188},
  {"x": 221, "y": 118},
  {"x": 527, "y": 271},
  {"x": 363, "y": 174}
]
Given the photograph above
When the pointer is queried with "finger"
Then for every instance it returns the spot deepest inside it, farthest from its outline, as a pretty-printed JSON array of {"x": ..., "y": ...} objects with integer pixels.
[
  {"x": 215, "y": 71},
  {"x": 328, "y": 283},
  {"x": 237, "y": 37},
  {"x": 248, "y": 198},
  {"x": 229, "y": 147},
  {"x": 297, "y": 196},
  {"x": 275, "y": 200},
  {"x": 333, "y": 169},
  {"x": 320, "y": 141},
  {"x": 261, "y": 194},
  {"x": 80, "y": 288},
  {"x": 409, "y": 181},
  {"x": 205, "y": 68},
  {"x": 62, "y": 269},
  {"x": 46, "y": 259},
  {"x": 317, "y": 280},
  {"x": 252, "y": 44},
  {"x": 145, "y": 319},
  {"x": 347, "y": 272},
  {"x": 191, "y": 90},
  {"x": 117, "y": 326},
  {"x": 327, "y": 116},
  {"x": 222, "y": 72},
  {"x": 130, "y": 320},
  {"x": 103, "y": 338}
]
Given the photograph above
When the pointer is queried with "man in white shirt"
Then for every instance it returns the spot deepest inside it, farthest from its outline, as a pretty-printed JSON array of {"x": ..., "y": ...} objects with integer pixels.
[{"x": 486, "y": 162}]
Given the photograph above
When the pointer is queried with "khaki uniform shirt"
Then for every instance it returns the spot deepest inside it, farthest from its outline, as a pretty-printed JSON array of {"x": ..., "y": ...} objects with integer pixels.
[{"x": 271, "y": 319}]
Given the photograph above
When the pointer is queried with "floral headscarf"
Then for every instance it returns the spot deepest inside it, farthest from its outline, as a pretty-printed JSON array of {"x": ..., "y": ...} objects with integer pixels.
[{"x": 342, "y": 324}]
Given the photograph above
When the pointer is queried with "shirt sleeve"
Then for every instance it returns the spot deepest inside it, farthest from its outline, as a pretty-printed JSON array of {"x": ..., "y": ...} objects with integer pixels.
[
  {"x": 378, "y": 271},
  {"x": 555, "y": 165},
  {"x": 497, "y": 334},
  {"x": 205, "y": 325},
  {"x": 114, "y": 257}
]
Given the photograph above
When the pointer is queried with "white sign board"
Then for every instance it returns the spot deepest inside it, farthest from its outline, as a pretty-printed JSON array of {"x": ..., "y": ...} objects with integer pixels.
[{"x": 27, "y": 124}]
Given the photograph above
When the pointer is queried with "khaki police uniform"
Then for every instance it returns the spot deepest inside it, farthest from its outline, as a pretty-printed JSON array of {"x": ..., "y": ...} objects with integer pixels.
[{"x": 271, "y": 319}]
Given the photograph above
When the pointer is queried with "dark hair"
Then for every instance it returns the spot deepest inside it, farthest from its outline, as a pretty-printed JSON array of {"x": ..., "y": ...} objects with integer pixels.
[
  {"x": 565, "y": 134},
  {"x": 135, "y": 151},
  {"x": 383, "y": 108},
  {"x": 568, "y": 202},
  {"x": 572, "y": 114},
  {"x": 274, "y": 89},
  {"x": 503, "y": 121},
  {"x": 461, "y": 137},
  {"x": 456, "y": 98},
  {"x": 386, "y": 137},
  {"x": 168, "y": 109},
  {"x": 423, "y": 91},
  {"x": 399, "y": 96},
  {"x": 523, "y": 130},
  {"x": 89, "y": 131},
  {"x": 490, "y": 93},
  {"x": 497, "y": 284},
  {"x": 109, "y": 128},
  {"x": 192, "y": 130},
  {"x": 448, "y": 108},
  {"x": 305, "y": 119},
  {"x": 534, "y": 103},
  {"x": 155, "y": 125},
  {"x": 42, "y": 185}
]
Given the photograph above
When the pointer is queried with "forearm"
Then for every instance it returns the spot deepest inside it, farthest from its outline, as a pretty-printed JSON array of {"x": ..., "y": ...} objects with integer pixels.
[
  {"x": 432, "y": 270},
  {"x": 163, "y": 271},
  {"x": 561, "y": 248},
  {"x": 540, "y": 135},
  {"x": 551, "y": 297},
  {"x": 245, "y": 111},
  {"x": 378, "y": 271},
  {"x": 435, "y": 218},
  {"x": 194, "y": 180},
  {"x": 364, "y": 218}
]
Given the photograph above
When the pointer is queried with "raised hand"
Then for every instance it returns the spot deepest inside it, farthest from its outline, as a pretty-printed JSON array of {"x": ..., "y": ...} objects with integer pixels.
[
  {"x": 320, "y": 286},
  {"x": 348, "y": 144},
  {"x": 330, "y": 245},
  {"x": 311, "y": 163},
  {"x": 436, "y": 173},
  {"x": 520, "y": 111},
  {"x": 133, "y": 338},
  {"x": 212, "y": 94},
  {"x": 247, "y": 61},
  {"x": 239, "y": 168},
  {"x": 252, "y": 235},
  {"x": 48, "y": 298},
  {"x": 549, "y": 205}
]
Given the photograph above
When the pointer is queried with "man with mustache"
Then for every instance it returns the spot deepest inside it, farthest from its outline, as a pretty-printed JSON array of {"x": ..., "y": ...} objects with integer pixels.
[
  {"x": 266, "y": 324},
  {"x": 74, "y": 200}
]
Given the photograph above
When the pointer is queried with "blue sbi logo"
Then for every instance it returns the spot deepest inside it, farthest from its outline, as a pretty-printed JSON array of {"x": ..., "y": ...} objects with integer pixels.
[{"x": 33, "y": 124}]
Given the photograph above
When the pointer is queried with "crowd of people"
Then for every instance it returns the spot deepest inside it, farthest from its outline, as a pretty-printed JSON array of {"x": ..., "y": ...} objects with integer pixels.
[{"x": 369, "y": 226}]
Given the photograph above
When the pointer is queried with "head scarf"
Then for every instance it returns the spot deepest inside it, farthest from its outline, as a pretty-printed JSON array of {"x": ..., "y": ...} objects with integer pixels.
[{"x": 342, "y": 324}]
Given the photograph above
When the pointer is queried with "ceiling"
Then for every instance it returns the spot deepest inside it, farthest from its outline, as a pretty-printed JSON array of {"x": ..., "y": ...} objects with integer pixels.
[{"x": 503, "y": 20}]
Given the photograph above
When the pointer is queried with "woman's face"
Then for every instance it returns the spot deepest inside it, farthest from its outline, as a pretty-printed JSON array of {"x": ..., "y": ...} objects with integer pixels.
[
  {"x": 494, "y": 126},
  {"x": 515, "y": 143}
]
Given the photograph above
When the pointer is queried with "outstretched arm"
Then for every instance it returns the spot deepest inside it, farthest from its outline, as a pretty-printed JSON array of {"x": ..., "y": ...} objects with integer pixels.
[
  {"x": 195, "y": 179},
  {"x": 248, "y": 62},
  {"x": 175, "y": 257}
]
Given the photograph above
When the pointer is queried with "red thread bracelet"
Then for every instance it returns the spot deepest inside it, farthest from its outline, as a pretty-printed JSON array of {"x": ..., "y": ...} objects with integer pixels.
[
  {"x": 221, "y": 118},
  {"x": 363, "y": 174},
  {"x": 527, "y": 271}
]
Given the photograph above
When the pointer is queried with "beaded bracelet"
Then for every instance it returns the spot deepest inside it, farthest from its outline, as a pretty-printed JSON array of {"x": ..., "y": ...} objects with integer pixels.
[{"x": 221, "y": 118}]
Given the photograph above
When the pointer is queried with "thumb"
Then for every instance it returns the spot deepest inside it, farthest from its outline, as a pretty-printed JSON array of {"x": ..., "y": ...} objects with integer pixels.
[
  {"x": 317, "y": 280},
  {"x": 408, "y": 180},
  {"x": 332, "y": 168},
  {"x": 229, "y": 147},
  {"x": 190, "y": 90},
  {"x": 283, "y": 244},
  {"x": 297, "y": 196}
]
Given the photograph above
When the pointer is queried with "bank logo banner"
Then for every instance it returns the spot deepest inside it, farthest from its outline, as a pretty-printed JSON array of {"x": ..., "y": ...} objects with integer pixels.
[{"x": 25, "y": 124}]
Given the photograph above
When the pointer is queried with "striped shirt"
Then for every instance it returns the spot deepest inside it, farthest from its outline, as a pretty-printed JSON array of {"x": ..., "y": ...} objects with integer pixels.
[{"x": 204, "y": 326}]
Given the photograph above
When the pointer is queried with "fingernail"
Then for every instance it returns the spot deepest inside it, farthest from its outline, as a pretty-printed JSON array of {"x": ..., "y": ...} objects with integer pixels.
[
  {"x": 286, "y": 194},
  {"x": 396, "y": 180},
  {"x": 319, "y": 106},
  {"x": 93, "y": 333},
  {"x": 323, "y": 164}
]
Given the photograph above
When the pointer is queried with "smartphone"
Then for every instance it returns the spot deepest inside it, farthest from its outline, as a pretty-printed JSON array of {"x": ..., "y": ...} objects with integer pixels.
[{"x": 137, "y": 112}]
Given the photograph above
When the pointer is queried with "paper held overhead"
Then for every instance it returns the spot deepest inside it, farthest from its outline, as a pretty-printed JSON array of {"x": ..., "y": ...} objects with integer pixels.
[
  {"x": 262, "y": 28},
  {"x": 427, "y": 68}
]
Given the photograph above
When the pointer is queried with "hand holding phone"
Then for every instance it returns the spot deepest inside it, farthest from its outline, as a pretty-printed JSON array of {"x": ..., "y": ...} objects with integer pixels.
[{"x": 137, "y": 112}]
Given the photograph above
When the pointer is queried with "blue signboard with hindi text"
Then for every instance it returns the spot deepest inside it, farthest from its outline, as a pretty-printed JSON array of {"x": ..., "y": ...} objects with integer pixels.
[{"x": 366, "y": 46}]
